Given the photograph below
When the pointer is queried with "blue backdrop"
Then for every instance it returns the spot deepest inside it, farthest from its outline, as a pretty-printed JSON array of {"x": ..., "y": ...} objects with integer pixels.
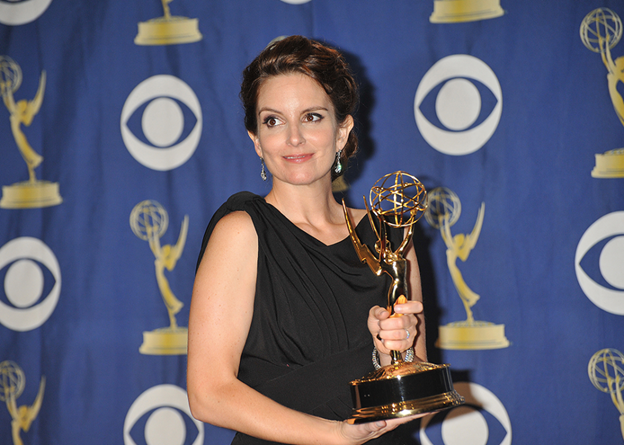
[{"x": 508, "y": 107}]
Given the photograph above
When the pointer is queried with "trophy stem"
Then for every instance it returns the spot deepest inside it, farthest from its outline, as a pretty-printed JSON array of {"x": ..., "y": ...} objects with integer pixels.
[{"x": 395, "y": 357}]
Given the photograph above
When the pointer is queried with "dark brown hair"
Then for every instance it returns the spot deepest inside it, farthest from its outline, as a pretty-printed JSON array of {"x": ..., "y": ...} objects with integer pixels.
[{"x": 297, "y": 54}]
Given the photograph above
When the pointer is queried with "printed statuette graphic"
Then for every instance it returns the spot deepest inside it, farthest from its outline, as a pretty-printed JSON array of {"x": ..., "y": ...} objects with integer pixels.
[
  {"x": 606, "y": 372},
  {"x": 32, "y": 193},
  {"x": 13, "y": 383},
  {"x": 149, "y": 221},
  {"x": 443, "y": 211},
  {"x": 455, "y": 11},
  {"x": 600, "y": 31},
  {"x": 168, "y": 29}
]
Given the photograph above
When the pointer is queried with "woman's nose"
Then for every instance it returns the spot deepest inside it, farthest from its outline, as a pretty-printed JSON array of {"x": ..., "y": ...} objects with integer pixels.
[{"x": 295, "y": 136}]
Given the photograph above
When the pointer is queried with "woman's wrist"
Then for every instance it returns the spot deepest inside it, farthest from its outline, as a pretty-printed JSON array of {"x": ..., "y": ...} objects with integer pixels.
[{"x": 377, "y": 357}]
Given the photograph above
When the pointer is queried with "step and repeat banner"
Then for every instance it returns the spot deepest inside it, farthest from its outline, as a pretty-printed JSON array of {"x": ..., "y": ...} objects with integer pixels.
[{"x": 121, "y": 133}]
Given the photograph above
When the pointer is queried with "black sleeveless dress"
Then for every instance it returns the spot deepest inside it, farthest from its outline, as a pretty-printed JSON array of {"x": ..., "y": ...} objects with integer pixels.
[{"x": 308, "y": 336}]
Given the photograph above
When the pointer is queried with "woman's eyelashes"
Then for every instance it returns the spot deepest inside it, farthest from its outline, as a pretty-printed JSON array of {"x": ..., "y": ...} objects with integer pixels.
[
  {"x": 313, "y": 117},
  {"x": 272, "y": 121}
]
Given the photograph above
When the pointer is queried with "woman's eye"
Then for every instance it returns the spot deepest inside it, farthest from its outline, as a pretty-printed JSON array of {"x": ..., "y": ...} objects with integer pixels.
[
  {"x": 271, "y": 121},
  {"x": 313, "y": 117}
]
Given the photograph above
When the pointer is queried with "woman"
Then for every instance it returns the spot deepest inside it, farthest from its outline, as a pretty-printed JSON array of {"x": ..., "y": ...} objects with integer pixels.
[{"x": 277, "y": 326}]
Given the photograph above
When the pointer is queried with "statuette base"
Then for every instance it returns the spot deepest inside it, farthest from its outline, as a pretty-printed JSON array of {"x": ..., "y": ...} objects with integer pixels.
[
  {"x": 455, "y": 11},
  {"x": 171, "y": 31},
  {"x": 401, "y": 390},
  {"x": 30, "y": 195},
  {"x": 165, "y": 341},
  {"x": 609, "y": 164},
  {"x": 472, "y": 335}
]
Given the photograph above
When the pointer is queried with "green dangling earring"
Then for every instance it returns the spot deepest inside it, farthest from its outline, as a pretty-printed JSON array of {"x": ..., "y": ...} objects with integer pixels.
[{"x": 338, "y": 168}]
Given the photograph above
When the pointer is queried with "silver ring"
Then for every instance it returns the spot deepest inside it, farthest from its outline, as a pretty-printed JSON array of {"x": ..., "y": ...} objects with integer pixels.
[{"x": 408, "y": 334}]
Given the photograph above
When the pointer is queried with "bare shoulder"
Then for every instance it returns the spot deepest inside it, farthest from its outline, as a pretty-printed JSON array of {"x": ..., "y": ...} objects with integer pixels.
[
  {"x": 234, "y": 236},
  {"x": 236, "y": 227}
]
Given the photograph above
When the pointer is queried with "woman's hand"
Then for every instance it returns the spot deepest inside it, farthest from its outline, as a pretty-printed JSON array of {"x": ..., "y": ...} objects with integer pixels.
[
  {"x": 363, "y": 432},
  {"x": 397, "y": 332}
]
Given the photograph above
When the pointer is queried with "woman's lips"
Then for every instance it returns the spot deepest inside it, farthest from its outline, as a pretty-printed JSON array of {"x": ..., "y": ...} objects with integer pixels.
[{"x": 298, "y": 158}]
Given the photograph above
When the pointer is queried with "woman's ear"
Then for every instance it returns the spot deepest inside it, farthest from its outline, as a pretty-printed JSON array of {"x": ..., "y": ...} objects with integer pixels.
[
  {"x": 343, "y": 132},
  {"x": 256, "y": 142}
]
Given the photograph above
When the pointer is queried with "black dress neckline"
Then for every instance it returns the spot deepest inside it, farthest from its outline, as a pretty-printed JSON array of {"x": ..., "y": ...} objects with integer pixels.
[{"x": 306, "y": 234}]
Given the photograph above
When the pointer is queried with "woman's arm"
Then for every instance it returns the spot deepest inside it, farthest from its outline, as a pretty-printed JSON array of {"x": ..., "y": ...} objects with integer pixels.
[{"x": 219, "y": 321}]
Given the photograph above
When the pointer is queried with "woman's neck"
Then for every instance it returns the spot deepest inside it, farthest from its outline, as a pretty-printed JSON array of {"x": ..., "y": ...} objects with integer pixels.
[
  {"x": 311, "y": 208},
  {"x": 307, "y": 204}
]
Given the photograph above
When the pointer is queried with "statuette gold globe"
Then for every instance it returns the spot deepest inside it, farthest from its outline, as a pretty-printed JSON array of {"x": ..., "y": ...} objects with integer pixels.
[
  {"x": 10, "y": 75},
  {"x": 444, "y": 204},
  {"x": 13, "y": 380},
  {"x": 601, "y": 26},
  {"x": 399, "y": 198},
  {"x": 148, "y": 219},
  {"x": 606, "y": 370}
]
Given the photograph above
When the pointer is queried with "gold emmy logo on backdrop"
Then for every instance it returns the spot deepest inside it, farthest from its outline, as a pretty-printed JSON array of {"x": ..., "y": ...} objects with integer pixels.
[
  {"x": 454, "y": 11},
  {"x": 168, "y": 29},
  {"x": 32, "y": 193},
  {"x": 401, "y": 388},
  {"x": 13, "y": 383},
  {"x": 600, "y": 31},
  {"x": 149, "y": 221},
  {"x": 606, "y": 372},
  {"x": 443, "y": 211}
]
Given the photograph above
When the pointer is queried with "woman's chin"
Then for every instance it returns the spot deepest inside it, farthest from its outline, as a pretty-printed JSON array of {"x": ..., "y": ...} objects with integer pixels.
[{"x": 306, "y": 179}]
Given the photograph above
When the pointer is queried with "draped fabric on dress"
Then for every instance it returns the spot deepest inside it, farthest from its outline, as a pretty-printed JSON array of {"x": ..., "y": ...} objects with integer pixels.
[{"x": 308, "y": 337}]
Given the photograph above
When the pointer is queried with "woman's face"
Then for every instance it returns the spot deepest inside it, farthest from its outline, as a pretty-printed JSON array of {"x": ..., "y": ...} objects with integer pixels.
[{"x": 297, "y": 134}]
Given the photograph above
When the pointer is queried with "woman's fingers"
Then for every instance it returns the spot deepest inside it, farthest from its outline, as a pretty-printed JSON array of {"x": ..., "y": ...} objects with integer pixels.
[
  {"x": 364, "y": 432},
  {"x": 397, "y": 332},
  {"x": 411, "y": 307}
]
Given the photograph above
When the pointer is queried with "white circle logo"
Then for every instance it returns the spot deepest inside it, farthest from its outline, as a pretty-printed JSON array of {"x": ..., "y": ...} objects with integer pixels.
[
  {"x": 482, "y": 419},
  {"x": 162, "y": 123},
  {"x": 458, "y": 105},
  {"x": 165, "y": 424},
  {"x": 611, "y": 263},
  {"x": 24, "y": 284},
  {"x": 15, "y": 13},
  {"x": 296, "y": 2}
]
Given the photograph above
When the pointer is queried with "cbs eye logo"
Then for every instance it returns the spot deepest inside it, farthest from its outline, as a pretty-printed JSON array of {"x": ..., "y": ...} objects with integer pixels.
[
  {"x": 16, "y": 12},
  {"x": 602, "y": 246},
  {"x": 464, "y": 88},
  {"x": 25, "y": 283},
  {"x": 161, "y": 416},
  {"x": 168, "y": 137},
  {"x": 483, "y": 419}
]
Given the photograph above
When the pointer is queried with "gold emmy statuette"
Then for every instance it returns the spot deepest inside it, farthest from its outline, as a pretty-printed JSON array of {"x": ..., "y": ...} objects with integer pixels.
[
  {"x": 606, "y": 372},
  {"x": 443, "y": 211},
  {"x": 455, "y": 11},
  {"x": 600, "y": 31},
  {"x": 149, "y": 221},
  {"x": 168, "y": 29},
  {"x": 13, "y": 383},
  {"x": 32, "y": 193},
  {"x": 401, "y": 388}
]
